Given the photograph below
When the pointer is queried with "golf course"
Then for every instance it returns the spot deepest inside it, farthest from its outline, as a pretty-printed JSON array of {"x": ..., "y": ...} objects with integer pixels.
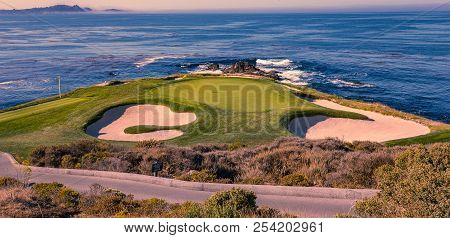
[
  {"x": 228, "y": 110},
  {"x": 224, "y": 110}
]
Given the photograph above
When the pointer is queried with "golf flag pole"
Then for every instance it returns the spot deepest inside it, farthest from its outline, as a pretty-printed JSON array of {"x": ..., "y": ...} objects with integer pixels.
[{"x": 59, "y": 85}]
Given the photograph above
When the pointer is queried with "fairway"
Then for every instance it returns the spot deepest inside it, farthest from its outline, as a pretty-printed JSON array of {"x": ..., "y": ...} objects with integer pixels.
[
  {"x": 33, "y": 110},
  {"x": 228, "y": 110}
]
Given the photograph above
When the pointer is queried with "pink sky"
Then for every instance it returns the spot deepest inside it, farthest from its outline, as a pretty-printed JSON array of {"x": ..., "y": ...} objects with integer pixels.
[{"x": 193, "y": 5}]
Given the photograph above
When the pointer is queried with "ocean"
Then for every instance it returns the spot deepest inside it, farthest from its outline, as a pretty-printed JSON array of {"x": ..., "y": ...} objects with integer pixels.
[{"x": 399, "y": 59}]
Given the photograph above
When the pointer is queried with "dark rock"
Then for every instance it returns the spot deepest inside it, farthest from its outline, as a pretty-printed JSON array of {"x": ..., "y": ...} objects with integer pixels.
[
  {"x": 114, "y": 83},
  {"x": 113, "y": 74},
  {"x": 213, "y": 67},
  {"x": 244, "y": 67},
  {"x": 241, "y": 67}
]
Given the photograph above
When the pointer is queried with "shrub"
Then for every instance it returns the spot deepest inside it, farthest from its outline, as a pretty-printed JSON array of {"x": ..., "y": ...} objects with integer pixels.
[
  {"x": 187, "y": 210},
  {"x": 149, "y": 144},
  {"x": 328, "y": 162},
  {"x": 89, "y": 160},
  {"x": 57, "y": 194},
  {"x": 198, "y": 176},
  {"x": 69, "y": 162},
  {"x": 153, "y": 207},
  {"x": 112, "y": 164},
  {"x": 236, "y": 146},
  {"x": 356, "y": 169},
  {"x": 366, "y": 146},
  {"x": 295, "y": 180},
  {"x": 233, "y": 203},
  {"x": 107, "y": 203},
  {"x": 417, "y": 185},
  {"x": 210, "y": 148},
  {"x": 55, "y": 200},
  {"x": 52, "y": 156},
  {"x": 7, "y": 182}
]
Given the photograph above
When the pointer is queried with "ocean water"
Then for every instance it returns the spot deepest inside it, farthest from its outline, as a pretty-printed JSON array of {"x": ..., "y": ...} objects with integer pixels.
[{"x": 399, "y": 59}]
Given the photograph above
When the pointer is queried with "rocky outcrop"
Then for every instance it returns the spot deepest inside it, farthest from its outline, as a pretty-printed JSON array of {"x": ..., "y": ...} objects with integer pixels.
[
  {"x": 213, "y": 67},
  {"x": 245, "y": 67}
]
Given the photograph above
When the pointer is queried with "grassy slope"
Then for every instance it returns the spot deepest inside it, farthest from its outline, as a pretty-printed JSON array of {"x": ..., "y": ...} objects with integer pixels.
[{"x": 222, "y": 117}]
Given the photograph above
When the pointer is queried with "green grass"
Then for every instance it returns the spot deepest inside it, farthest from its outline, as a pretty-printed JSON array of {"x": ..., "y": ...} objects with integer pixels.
[
  {"x": 37, "y": 109},
  {"x": 148, "y": 129},
  {"x": 433, "y": 137},
  {"x": 229, "y": 110}
]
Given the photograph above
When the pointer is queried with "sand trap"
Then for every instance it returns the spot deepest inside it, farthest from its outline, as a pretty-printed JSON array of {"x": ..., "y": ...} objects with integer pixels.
[
  {"x": 114, "y": 122},
  {"x": 379, "y": 128}
]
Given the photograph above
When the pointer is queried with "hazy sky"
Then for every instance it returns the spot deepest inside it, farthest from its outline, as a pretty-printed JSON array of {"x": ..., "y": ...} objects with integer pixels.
[{"x": 201, "y": 5}]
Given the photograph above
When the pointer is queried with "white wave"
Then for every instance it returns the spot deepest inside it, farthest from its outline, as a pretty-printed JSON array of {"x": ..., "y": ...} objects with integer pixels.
[
  {"x": 266, "y": 69},
  {"x": 8, "y": 82},
  {"x": 153, "y": 59},
  {"x": 343, "y": 83},
  {"x": 298, "y": 83},
  {"x": 274, "y": 62},
  {"x": 292, "y": 74}
]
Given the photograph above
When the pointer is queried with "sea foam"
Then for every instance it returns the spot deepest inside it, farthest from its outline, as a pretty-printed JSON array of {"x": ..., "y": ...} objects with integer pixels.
[
  {"x": 153, "y": 59},
  {"x": 343, "y": 83},
  {"x": 274, "y": 62}
]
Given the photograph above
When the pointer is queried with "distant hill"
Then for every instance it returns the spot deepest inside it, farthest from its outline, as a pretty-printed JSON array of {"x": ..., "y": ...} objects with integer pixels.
[{"x": 53, "y": 9}]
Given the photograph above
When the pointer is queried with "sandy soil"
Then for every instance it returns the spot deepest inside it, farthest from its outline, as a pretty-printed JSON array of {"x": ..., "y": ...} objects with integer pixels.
[
  {"x": 379, "y": 128},
  {"x": 113, "y": 123}
]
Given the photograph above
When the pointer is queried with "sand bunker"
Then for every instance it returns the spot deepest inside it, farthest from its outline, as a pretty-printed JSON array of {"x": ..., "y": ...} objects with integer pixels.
[
  {"x": 379, "y": 128},
  {"x": 114, "y": 122}
]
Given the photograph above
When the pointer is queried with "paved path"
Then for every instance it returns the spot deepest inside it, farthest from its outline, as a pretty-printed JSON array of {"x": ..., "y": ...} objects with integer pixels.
[{"x": 298, "y": 205}]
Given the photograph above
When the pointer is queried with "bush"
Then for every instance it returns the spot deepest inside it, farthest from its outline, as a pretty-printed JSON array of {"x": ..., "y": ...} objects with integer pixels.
[
  {"x": 328, "y": 162},
  {"x": 57, "y": 194},
  {"x": 153, "y": 207},
  {"x": 356, "y": 169},
  {"x": 366, "y": 146},
  {"x": 52, "y": 156},
  {"x": 187, "y": 210},
  {"x": 69, "y": 162},
  {"x": 199, "y": 176},
  {"x": 149, "y": 144},
  {"x": 7, "y": 182},
  {"x": 417, "y": 185},
  {"x": 233, "y": 203},
  {"x": 89, "y": 160},
  {"x": 55, "y": 200},
  {"x": 295, "y": 180},
  {"x": 107, "y": 203}
]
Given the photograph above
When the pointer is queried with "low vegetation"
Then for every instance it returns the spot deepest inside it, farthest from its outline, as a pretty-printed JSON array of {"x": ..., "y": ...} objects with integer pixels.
[
  {"x": 416, "y": 185},
  {"x": 50, "y": 200},
  {"x": 289, "y": 161}
]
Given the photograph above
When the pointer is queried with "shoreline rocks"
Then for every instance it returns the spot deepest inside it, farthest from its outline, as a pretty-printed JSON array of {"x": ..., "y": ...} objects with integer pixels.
[{"x": 245, "y": 67}]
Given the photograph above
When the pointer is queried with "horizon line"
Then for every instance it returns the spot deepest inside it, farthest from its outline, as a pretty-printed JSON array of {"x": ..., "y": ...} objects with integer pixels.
[{"x": 397, "y": 8}]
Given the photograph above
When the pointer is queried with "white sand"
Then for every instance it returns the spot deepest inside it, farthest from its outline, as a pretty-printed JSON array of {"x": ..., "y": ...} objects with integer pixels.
[
  {"x": 114, "y": 122},
  {"x": 379, "y": 128}
]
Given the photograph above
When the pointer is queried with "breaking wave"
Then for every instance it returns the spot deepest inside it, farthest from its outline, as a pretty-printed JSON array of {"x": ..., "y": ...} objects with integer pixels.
[
  {"x": 153, "y": 59},
  {"x": 273, "y": 62},
  {"x": 351, "y": 84}
]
